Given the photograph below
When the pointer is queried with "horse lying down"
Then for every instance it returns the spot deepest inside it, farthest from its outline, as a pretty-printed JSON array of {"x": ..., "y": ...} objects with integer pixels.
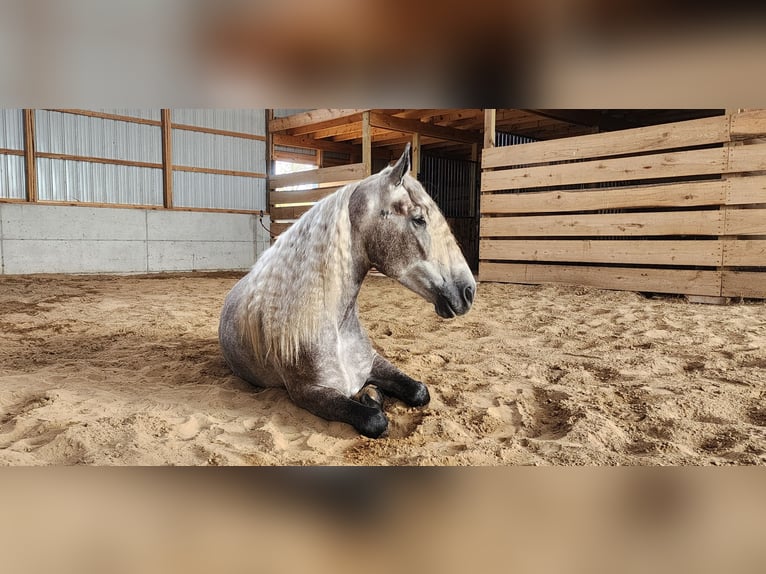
[{"x": 293, "y": 322}]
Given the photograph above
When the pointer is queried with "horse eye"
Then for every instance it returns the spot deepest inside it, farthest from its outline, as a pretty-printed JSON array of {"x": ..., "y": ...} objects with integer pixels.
[{"x": 419, "y": 221}]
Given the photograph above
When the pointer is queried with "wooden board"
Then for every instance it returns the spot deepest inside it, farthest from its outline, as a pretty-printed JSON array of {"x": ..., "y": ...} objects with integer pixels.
[
  {"x": 289, "y": 212},
  {"x": 745, "y": 222},
  {"x": 312, "y": 118},
  {"x": 745, "y": 253},
  {"x": 651, "y": 138},
  {"x": 677, "y": 164},
  {"x": 744, "y": 158},
  {"x": 324, "y": 176},
  {"x": 286, "y": 198},
  {"x": 671, "y": 195},
  {"x": 750, "y": 124},
  {"x": 690, "y": 282},
  {"x": 427, "y": 129},
  {"x": 167, "y": 158},
  {"x": 746, "y": 190},
  {"x": 695, "y": 252},
  {"x": 628, "y": 224},
  {"x": 278, "y": 228},
  {"x": 744, "y": 284}
]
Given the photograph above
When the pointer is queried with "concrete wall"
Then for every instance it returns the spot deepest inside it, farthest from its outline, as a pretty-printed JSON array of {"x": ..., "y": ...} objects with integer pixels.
[{"x": 62, "y": 239}]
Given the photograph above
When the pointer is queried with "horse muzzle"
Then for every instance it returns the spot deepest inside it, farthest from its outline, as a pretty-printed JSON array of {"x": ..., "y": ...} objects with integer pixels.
[{"x": 455, "y": 300}]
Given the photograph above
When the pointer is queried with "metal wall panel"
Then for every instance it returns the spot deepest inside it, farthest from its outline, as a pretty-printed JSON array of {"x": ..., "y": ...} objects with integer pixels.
[
  {"x": 244, "y": 121},
  {"x": 11, "y": 129},
  {"x": 206, "y": 190},
  {"x": 78, "y": 181},
  {"x": 12, "y": 177},
  {"x": 70, "y": 134},
  {"x": 143, "y": 113},
  {"x": 218, "y": 152}
]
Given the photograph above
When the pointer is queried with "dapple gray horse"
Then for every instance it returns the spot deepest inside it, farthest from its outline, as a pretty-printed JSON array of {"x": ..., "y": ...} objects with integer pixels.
[{"x": 292, "y": 321}]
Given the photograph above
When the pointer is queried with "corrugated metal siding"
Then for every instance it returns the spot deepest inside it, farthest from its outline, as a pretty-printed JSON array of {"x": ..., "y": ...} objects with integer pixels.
[
  {"x": 11, "y": 129},
  {"x": 96, "y": 137},
  {"x": 12, "y": 177},
  {"x": 218, "y": 152},
  {"x": 244, "y": 121},
  {"x": 143, "y": 113},
  {"x": 207, "y": 190},
  {"x": 66, "y": 180}
]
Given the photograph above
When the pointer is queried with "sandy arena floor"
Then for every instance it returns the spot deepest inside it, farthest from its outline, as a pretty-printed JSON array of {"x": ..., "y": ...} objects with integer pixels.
[{"x": 107, "y": 370}]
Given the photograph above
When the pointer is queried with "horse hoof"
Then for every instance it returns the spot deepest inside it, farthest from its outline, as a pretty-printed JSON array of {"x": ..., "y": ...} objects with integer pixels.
[
  {"x": 374, "y": 426},
  {"x": 371, "y": 396},
  {"x": 420, "y": 397}
]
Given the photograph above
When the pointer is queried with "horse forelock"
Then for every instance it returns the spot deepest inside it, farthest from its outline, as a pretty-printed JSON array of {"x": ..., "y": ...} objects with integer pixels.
[{"x": 295, "y": 288}]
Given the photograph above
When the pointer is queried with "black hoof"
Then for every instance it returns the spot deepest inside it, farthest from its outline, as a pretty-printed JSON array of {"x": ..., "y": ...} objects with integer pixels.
[
  {"x": 374, "y": 426},
  {"x": 420, "y": 396},
  {"x": 371, "y": 396}
]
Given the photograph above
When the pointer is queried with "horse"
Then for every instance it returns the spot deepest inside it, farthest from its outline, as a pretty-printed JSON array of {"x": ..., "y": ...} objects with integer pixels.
[{"x": 293, "y": 320}]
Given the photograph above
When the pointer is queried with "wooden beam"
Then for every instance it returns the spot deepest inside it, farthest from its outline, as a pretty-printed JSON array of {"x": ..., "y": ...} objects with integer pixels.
[
  {"x": 587, "y": 118},
  {"x": 30, "y": 166},
  {"x": 312, "y": 118},
  {"x": 415, "y": 155},
  {"x": 617, "y": 224},
  {"x": 106, "y": 116},
  {"x": 743, "y": 284},
  {"x": 748, "y": 125},
  {"x": 308, "y": 142},
  {"x": 675, "y": 164},
  {"x": 686, "y": 282},
  {"x": 653, "y": 138},
  {"x": 634, "y": 252},
  {"x": 167, "y": 158},
  {"x": 217, "y": 132},
  {"x": 489, "y": 128},
  {"x": 423, "y": 128},
  {"x": 106, "y": 160},
  {"x": 366, "y": 144},
  {"x": 7, "y": 151},
  {"x": 211, "y": 170},
  {"x": 326, "y": 176}
]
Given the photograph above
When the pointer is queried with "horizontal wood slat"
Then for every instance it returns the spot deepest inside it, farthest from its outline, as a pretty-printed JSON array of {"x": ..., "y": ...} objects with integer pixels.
[
  {"x": 750, "y": 124},
  {"x": 324, "y": 176},
  {"x": 651, "y": 138},
  {"x": 746, "y": 190},
  {"x": 691, "y": 282},
  {"x": 743, "y": 284},
  {"x": 299, "y": 196},
  {"x": 745, "y": 222},
  {"x": 278, "y": 228},
  {"x": 699, "y": 252},
  {"x": 7, "y": 151},
  {"x": 677, "y": 164},
  {"x": 745, "y": 253},
  {"x": 744, "y": 158},
  {"x": 278, "y": 213},
  {"x": 106, "y": 160},
  {"x": 599, "y": 225}
]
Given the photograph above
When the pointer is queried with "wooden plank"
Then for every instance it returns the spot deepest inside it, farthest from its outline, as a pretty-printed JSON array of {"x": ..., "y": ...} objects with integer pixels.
[
  {"x": 746, "y": 190},
  {"x": 167, "y": 158},
  {"x": 415, "y": 167},
  {"x": 670, "y": 195},
  {"x": 636, "y": 140},
  {"x": 289, "y": 212},
  {"x": 490, "y": 119},
  {"x": 325, "y": 175},
  {"x": 8, "y": 151},
  {"x": 219, "y": 171},
  {"x": 744, "y": 253},
  {"x": 295, "y": 157},
  {"x": 749, "y": 124},
  {"x": 744, "y": 284},
  {"x": 278, "y": 228},
  {"x": 217, "y": 132},
  {"x": 745, "y": 222},
  {"x": 744, "y": 158},
  {"x": 366, "y": 144},
  {"x": 614, "y": 224},
  {"x": 30, "y": 165},
  {"x": 299, "y": 196},
  {"x": 677, "y": 164},
  {"x": 694, "y": 252},
  {"x": 99, "y": 160},
  {"x": 307, "y": 142},
  {"x": 423, "y": 128},
  {"x": 107, "y": 116},
  {"x": 687, "y": 282},
  {"x": 312, "y": 118}
]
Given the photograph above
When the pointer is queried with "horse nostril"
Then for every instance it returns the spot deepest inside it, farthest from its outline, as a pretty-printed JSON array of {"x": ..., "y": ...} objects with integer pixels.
[{"x": 468, "y": 293}]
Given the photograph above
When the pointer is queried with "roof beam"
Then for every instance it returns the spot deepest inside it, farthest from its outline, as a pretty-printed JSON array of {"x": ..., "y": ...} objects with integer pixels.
[
  {"x": 313, "y": 119},
  {"x": 426, "y": 129}
]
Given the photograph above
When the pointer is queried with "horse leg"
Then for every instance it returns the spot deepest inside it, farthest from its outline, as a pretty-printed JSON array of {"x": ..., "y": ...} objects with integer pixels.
[
  {"x": 332, "y": 405},
  {"x": 393, "y": 382}
]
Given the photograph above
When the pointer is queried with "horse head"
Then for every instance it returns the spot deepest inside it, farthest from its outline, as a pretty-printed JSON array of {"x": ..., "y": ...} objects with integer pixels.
[{"x": 405, "y": 236}]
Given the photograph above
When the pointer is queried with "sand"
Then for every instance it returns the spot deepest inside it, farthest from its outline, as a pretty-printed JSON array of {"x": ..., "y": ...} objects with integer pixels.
[{"x": 105, "y": 370}]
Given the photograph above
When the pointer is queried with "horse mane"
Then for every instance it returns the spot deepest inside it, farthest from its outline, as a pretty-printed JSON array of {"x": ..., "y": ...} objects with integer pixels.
[{"x": 297, "y": 284}]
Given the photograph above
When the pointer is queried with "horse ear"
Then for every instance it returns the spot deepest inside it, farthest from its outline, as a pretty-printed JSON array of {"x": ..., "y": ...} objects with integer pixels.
[{"x": 401, "y": 167}]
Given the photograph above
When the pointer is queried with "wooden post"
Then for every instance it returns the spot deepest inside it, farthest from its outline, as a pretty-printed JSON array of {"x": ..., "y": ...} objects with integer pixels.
[
  {"x": 167, "y": 158},
  {"x": 366, "y": 144},
  {"x": 489, "y": 127},
  {"x": 415, "y": 155},
  {"x": 30, "y": 166}
]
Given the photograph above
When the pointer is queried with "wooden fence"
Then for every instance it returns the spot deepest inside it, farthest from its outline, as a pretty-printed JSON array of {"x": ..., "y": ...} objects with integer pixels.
[
  {"x": 672, "y": 208},
  {"x": 286, "y": 207}
]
